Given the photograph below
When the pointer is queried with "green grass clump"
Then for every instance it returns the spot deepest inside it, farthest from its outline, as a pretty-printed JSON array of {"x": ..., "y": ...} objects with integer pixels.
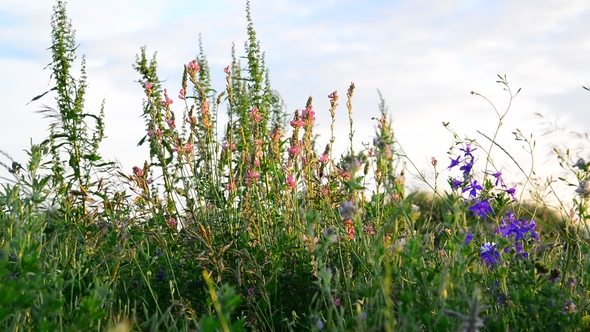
[{"x": 256, "y": 228}]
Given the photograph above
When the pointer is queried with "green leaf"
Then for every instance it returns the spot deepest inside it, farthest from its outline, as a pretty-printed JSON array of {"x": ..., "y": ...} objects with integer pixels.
[
  {"x": 41, "y": 95},
  {"x": 141, "y": 141}
]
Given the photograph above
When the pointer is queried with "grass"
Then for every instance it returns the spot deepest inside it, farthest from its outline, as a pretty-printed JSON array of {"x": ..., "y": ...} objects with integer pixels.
[{"x": 256, "y": 228}]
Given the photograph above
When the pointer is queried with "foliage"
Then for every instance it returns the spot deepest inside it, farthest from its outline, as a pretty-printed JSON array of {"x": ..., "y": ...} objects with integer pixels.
[{"x": 255, "y": 229}]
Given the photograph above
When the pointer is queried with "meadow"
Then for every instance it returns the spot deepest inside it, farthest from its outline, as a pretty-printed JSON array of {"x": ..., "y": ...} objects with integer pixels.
[{"x": 255, "y": 227}]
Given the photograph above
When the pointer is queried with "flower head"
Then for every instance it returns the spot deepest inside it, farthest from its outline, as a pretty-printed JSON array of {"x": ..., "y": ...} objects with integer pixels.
[
  {"x": 489, "y": 254},
  {"x": 481, "y": 208}
]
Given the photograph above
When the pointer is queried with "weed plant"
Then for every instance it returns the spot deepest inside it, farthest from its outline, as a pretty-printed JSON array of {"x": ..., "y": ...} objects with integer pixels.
[{"x": 254, "y": 227}]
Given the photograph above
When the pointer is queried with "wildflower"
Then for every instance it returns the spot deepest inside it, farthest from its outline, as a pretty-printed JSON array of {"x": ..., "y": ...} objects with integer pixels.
[
  {"x": 337, "y": 302},
  {"x": 369, "y": 229},
  {"x": 182, "y": 94},
  {"x": 472, "y": 187},
  {"x": 319, "y": 324},
  {"x": 160, "y": 276},
  {"x": 296, "y": 122},
  {"x": 188, "y": 147},
  {"x": 466, "y": 169},
  {"x": 291, "y": 184},
  {"x": 157, "y": 133},
  {"x": 512, "y": 193},
  {"x": 349, "y": 228},
  {"x": 510, "y": 226},
  {"x": 171, "y": 124},
  {"x": 347, "y": 210},
  {"x": 192, "y": 120},
  {"x": 481, "y": 208},
  {"x": 498, "y": 177},
  {"x": 454, "y": 162},
  {"x": 226, "y": 70},
  {"x": 193, "y": 66},
  {"x": 489, "y": 254},
  {"x": 467, "y": 150},
  {"x": 455, "y": 184},
  {"x": 333, "y": 95},
  {"x": 255, "y": 115},
  {"x": 251, "y": 176},
  {"x": 582, "y": 164},
  {"x": 433, "y": 161},
  {"x": 468, "y": 238},
  {"x": 148, "y": 87},
  {"x": 171, "y": 223},
  {"x": 569, "y": 307},
  {"x": 330, "y": 235},
  {"x": 251, "y": 291},
  {"x": 323, "y": 158},
  {"x": 294, "y": 151},
  {"x": 308, "y": 113},
  {"x": 584, "y": 189},
  {"x": 138, "y": 171}
]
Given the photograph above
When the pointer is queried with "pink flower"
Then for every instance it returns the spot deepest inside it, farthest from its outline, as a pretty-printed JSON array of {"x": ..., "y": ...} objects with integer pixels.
[
  {"x": 225, "y": 146},
  {"x": 171, "y": 124},
  {"x": 192, "y": 120},
  {"x": 171, "y": 223},
  {"x": 193, "y": 66},
  {"x": 290, "y": 182},
  {"x": 255, "y": 115},
  {"x": 188, "y": 147},
  {"x": 226, "y": 70},
  {"x": 308, "y": 113},
  {"x": 333, "y": 95},
  {"x": 323, "y": 158},
  {"x": 297, "y": 123},
  {"x": 294, "y": 151},
  {"x": 251, "y": 176},
  {"x": 182, "y": 94},
  {"x": 148, "y": 87},
  {"x": 138, "y": 171}
]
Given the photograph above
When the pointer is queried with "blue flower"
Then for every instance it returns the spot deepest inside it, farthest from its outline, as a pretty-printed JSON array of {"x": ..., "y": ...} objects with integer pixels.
[
  {"x": 481, "y": 208},
  {"x": 454, "y": 162},
  {"x": 455, "y": 184},
  {"x": 472, "y": 187},
  {"x": 466, "y": 168},
  {"x": 489, "y": 254},
  {"x": 467, "y": 150},
  {"x": 512, "y": 193},
  {"x": 468, "y": 238},
  {"x": 510, "y": 226},
  {"x": 498, "y": 176}
]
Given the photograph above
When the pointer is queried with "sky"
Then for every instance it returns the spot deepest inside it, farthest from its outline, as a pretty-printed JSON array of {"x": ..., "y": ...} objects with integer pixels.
[{"x": 424, "y": 56}]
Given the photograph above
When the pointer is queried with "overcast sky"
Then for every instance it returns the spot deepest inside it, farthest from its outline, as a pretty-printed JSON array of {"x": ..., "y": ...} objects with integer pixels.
[{"x": 424, "y": 56}]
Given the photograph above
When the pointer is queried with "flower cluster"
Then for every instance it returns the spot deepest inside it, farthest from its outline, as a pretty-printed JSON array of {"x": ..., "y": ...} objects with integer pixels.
[
  {"x": 480, "y": 205},
  {"x": 517, "y": 231}
]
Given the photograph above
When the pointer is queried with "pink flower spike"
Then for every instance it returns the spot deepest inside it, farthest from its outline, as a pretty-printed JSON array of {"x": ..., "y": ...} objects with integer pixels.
[
  {"x": 171, "y": 223},
  {"x": 194, "y": 66},
  {"x": 192, "y": 120}
]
